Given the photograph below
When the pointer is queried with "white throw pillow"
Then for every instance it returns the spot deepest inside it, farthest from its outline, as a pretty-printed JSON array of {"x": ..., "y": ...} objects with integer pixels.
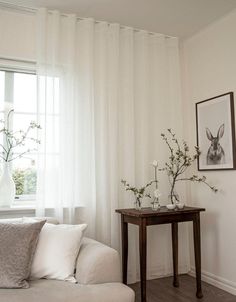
[{"x": 56, "y": 252}]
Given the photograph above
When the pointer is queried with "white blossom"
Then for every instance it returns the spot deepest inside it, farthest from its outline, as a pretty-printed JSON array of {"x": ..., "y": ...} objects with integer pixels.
[
  {"x": 155, "y": 163},
  {"x": 157, "y": 193}
]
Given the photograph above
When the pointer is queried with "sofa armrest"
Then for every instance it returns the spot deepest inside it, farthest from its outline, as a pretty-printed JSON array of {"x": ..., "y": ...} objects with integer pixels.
[{"x": 97, "y": 263}]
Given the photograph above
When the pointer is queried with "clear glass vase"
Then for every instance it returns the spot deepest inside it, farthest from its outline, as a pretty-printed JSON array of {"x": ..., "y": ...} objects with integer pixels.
[
  {"x": 155, "y": 204},
  {"x": 7, "y": 186},
  {"x": 138, "y": 204},
  {"x": 173, "y": 198}
]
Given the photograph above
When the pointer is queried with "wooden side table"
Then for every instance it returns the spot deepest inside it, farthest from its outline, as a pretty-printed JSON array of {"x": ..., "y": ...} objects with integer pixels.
[{"x": 146, "y": 217}]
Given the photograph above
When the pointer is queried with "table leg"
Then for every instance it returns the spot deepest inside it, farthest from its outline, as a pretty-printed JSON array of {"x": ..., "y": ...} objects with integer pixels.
[
  {"x": 143, "y": 257},
  {"x": 197, "y": 251},
  {"x": 124, "y": 234},
  {"x": 174, "y": 228}
]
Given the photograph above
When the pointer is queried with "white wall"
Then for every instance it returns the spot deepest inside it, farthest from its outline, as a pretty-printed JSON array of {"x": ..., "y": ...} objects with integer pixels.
[
  {"x": 17, "y": 35},
  {"x": 209, "y": 69}
]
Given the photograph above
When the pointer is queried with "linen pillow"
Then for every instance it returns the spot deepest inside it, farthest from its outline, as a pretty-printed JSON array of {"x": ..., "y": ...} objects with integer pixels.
[
  {"x": 17, "y": 246},
  {"x": 57, "y": 250}
]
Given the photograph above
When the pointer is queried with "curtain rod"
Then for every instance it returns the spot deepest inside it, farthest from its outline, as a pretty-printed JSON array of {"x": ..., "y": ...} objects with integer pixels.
[{"x": 33, "y": 10}]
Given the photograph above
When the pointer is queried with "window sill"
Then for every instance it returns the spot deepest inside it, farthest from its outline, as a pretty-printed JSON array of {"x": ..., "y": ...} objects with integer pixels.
[{"x": 17, "y": 211}]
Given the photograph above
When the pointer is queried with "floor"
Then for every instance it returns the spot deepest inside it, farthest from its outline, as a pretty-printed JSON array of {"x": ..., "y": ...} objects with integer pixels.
[{"x": 161, "y": 290}]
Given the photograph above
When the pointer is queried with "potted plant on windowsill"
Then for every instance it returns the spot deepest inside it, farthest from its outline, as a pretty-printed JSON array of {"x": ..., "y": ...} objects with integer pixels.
[{"x": 9, "y": 143}]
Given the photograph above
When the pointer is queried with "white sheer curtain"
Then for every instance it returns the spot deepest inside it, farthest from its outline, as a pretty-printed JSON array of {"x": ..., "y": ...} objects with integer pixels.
[{"x": 106, "y": 93}]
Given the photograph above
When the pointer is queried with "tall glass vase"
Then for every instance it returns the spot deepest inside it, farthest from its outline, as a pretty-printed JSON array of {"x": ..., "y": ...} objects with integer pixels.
[
  {"x": 138, "y": 204},
  {"x": 7, "y": 186},
  {"x": 155, "y": 204},
  {"x": 173, "y": 197}
]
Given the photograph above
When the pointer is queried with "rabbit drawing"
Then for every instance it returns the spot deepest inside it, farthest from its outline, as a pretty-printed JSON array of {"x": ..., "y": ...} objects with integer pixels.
[{"x": 215, "y": 154}]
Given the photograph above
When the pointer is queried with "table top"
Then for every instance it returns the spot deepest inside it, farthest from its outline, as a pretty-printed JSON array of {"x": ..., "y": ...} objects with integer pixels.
[{"x": 163, "y": 211}]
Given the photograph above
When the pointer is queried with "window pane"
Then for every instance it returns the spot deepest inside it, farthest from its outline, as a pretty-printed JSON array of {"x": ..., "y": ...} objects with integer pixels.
[
  {"x": 21, "y": 90},
  {"x": 25, "y": 175},
  {"x": 25, "y": 93},
  {"x": 21, "y": 123},
  {"x": 24, "y": 164},
  {"x": 2, "y": 89}
]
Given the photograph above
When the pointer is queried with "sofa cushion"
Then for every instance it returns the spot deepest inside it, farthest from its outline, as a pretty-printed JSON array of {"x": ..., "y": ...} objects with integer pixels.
[
  {"x": 59, "y": 291},
  {"x": 56, "y": 252},
  {"x": 18, "y": 242}
]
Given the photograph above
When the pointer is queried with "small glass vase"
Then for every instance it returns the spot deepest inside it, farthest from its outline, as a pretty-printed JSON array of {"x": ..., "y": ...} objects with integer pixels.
[
  {"x": 7, "y": 187},
  {"x": 155, "y": 204},
  {"x": 173, "y": 198},
  {"x": 138, "y": 204}
]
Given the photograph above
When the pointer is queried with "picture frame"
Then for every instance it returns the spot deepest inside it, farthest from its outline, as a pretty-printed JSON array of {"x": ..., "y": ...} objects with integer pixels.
[{"x": 215, "y": 127}]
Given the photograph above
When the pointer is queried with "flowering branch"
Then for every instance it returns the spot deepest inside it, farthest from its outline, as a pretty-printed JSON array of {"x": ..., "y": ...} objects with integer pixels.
[
  {"x": 15, "y": 139},
  {"x": 138, "y": 192},
  {"x": 199, "y": 179},
  {"x": 179, "y": 161}
]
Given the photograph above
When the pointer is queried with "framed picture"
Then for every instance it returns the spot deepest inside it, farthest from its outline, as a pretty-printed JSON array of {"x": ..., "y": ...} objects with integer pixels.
[{"x": 216, "y": 133}]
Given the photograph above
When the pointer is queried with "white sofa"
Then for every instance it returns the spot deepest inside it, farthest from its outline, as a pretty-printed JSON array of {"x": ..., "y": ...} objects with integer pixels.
[{"x": 98, "y": 275}]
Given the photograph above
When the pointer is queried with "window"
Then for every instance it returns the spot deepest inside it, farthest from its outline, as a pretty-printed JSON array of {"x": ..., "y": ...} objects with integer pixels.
[{"x": 18, "y": 91}]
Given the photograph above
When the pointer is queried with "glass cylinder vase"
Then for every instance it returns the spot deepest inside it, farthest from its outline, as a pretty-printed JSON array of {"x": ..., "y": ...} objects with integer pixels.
[
  {"x": 7, "y": 186},
  {"x": 173, "y": 197},
  {"x": 138, "y": 204},
  {"x": 155, "y": 204}
]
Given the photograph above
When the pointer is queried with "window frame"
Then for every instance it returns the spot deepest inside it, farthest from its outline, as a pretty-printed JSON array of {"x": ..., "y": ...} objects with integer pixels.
[{"x": 25, "y": 67}]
